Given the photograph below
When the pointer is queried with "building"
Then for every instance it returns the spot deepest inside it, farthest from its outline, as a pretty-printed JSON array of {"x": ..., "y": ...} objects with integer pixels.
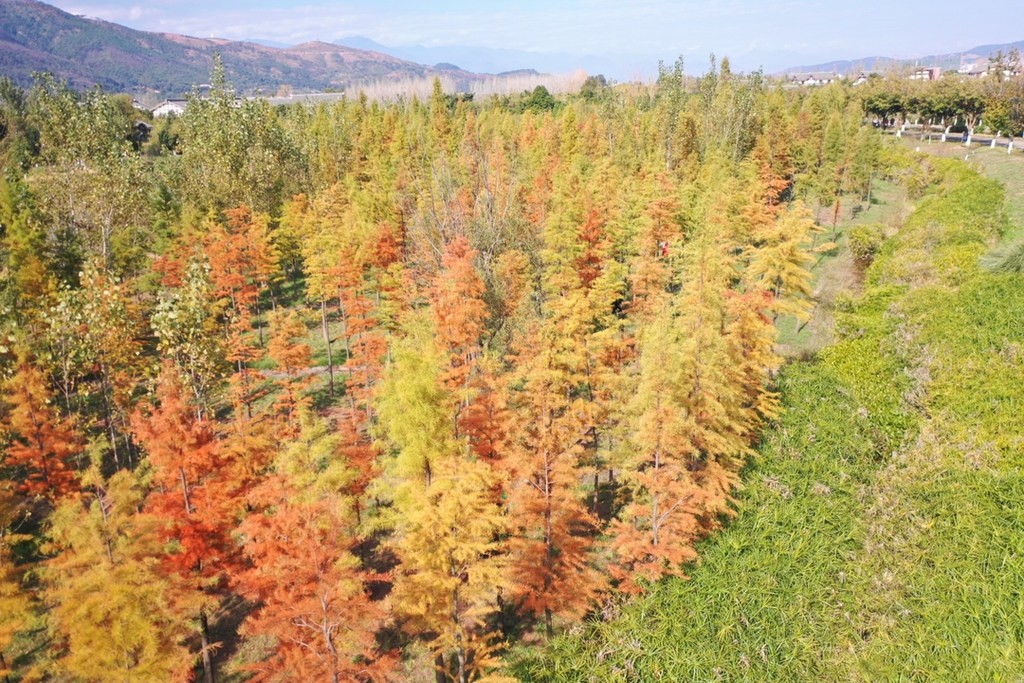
[
  {"x": 169, "y": 107},
  {"x": 926, "y": 73},
  {"x": 813, "y": 79}
]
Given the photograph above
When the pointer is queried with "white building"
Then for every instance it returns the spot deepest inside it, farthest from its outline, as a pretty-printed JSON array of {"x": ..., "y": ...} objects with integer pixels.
[
  {"x": 927, "y": 73},
  {"x": 814, "y": 79},
  {"x": 168, "y": 107}
]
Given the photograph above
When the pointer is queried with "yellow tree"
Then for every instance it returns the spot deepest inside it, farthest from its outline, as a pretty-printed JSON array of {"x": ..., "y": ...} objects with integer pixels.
[
  {"x": 701, "y": 394},
  {"x": 656, "y": 530},
  {"x": 15, "y": 600},
  {"x": 781, "y": 259},
  {"x": 110, "y": 604},
  {"x": 659, "y": 236},
  {"x": 560, "y": 403},
  {"x": 445, "y": 521}
]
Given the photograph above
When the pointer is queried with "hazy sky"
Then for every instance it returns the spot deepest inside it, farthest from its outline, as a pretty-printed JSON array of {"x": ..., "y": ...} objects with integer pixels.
[{"x": 753, "y": 33}]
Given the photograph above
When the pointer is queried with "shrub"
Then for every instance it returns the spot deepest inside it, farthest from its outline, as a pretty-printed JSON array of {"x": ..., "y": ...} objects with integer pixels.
[{"x": 865, "y": 240}]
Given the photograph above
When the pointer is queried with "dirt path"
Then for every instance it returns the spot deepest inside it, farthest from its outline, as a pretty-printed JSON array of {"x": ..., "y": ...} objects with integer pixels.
[{"x": 836, "y": 273}]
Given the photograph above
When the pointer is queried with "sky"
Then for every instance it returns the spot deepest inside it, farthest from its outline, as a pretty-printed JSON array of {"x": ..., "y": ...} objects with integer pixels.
[{"x": 773, "y": 34}]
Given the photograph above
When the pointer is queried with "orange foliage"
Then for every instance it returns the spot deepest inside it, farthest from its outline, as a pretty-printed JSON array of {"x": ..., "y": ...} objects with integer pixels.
[
  {"x": 186, "y": 460},
  {"x": 659, "y": 235},
  {"x": 459, "y": 311},
  {"x": 43, "y": 443},
  {"x": 291, "y": 357},
  {"x": 553, "y": 532},
  {"x": 314, "y": 598}
]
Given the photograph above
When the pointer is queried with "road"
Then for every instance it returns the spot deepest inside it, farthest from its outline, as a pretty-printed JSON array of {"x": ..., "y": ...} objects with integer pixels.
[{"x": 957, "y": 139}]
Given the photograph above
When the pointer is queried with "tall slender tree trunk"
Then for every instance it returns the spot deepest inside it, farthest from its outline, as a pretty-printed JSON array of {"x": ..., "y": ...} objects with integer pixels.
[
  {"x": 204, "y": 637},
  {"x": 345, "y": 335},
  {"x": 440, "y": 675},
  {"x": 460, "y": 647},
  {"x": 108, "y": 415},
  {"x": 327, "y": 343},
  {"x": 259, "y": 320}
]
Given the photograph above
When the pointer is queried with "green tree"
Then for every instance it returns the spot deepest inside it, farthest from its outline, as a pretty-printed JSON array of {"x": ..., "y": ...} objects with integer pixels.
[
  {"x": 234, "y": 152},
  {"x": 92, "y": 186}
]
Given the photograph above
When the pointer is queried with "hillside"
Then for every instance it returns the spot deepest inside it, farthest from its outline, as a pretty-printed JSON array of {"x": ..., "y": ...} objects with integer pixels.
[{"x": 38, "y": 37}]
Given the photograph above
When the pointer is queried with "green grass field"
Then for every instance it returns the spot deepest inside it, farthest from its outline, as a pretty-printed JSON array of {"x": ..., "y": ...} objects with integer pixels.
[{"x": 996, "y": 164}]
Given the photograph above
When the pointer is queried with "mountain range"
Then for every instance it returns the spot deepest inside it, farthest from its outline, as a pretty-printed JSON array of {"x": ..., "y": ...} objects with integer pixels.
[
  {"x": 35, "y": 37},
  {"x": 950, "y": 61},
  {"x": 38, "y": 37}
]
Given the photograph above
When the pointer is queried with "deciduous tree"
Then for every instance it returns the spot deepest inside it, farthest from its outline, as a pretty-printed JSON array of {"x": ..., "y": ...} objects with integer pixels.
[{"x": 44, "y": 445}]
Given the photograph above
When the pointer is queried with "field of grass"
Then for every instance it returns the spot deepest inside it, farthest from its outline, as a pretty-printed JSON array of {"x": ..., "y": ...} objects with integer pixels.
[
  {"x": 996, "y": 164},
  {"x": 881, "y": 530}
]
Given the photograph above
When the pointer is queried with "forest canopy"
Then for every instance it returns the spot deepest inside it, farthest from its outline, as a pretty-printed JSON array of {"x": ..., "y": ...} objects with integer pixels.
[{"x": 365, "y": 390}]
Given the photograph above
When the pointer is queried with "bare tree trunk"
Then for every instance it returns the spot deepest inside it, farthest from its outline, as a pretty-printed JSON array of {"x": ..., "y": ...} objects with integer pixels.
[
  {"x": 259, "y": 320},
  {"x": 108, "y": 415},
  {"x": 439, "y": 669},
  {"x": 204, "y": 637},
  {"x": 460, "y": 646},
  {"x": 327, "y": 343}
]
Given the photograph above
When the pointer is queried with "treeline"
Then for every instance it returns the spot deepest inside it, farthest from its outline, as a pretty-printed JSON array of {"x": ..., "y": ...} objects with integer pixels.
[
  {"x": 995, "y": 102},
  {"x": 360, "y": 392}
]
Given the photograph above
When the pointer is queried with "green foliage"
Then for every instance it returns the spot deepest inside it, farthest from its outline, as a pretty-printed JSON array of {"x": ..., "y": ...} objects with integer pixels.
[
  {"x": 540, "y": 100},
  {"x": 234, "y": 152},
  {"x": 595, "y": 87},
  {"x": 865, "y": 240},
  {"x": 90, "y": 185},
  {"x": 725, "y": 108},
  {"x": 187, "y": 332}
]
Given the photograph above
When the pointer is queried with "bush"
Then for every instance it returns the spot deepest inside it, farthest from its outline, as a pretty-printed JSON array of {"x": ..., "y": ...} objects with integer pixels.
[{"x": 865, "y": 240}]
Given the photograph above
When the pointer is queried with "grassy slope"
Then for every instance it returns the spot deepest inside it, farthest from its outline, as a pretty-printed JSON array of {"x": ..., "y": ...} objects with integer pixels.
[
  {"x": 882, "y": 531},
  {"x": 996, "y": 164}
]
